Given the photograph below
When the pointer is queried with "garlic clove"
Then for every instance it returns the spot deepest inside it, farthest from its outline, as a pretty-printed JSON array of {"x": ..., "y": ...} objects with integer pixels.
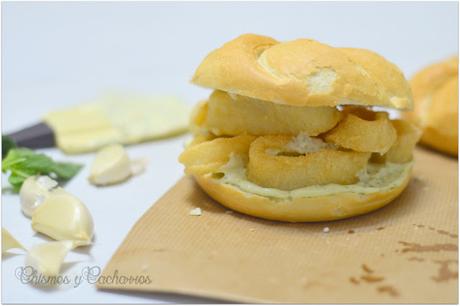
[
  {"x": 33, "y": 192},
  {"x": 9, "y": 242},
  {"x": 47, "y": 258},
  {"x": 63, "y": 217},
  {"x": 111, "y": 166}
]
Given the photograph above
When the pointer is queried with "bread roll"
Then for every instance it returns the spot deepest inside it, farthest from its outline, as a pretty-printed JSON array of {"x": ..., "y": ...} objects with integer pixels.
[
  {"x": 278, "y": 140},
  {"x": 435, "y": 90}
]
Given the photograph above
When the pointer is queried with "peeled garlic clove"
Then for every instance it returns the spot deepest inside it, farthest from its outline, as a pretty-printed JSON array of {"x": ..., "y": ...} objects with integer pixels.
[
  {"x": 47, "y": 258},
  {"x": 9, "y": 242},
  {"x": 33, "y": 192},
  {"x": 63, "y": 217},
  {"x": 111, "y": 166}
]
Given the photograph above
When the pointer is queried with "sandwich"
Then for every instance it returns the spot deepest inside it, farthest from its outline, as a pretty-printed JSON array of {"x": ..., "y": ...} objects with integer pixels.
[
  {"x": 435, "y": 91},
  {"x": 291, "y": 133}
]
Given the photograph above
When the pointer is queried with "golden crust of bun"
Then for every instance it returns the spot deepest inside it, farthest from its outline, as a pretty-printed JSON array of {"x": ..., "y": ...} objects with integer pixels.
[
  {"x": 302, "y": 209},
  {"x": 303, "y": 72},
  {"x": 435, "y": 91}
]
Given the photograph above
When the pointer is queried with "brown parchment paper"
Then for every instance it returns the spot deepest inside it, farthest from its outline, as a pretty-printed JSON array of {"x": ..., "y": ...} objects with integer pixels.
[{"x": 406, "y": 252}]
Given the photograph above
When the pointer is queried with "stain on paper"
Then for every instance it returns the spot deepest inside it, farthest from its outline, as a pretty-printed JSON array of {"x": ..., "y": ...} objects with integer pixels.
[
  {"x": 392, "y": 291},
  {"x": 415, "y": 258},
  {"x": 419, "y": 248},
  {"x": 445, "y": 273}
]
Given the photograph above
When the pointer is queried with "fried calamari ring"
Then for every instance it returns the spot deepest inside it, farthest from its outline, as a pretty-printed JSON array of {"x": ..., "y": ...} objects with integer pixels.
[
  {"x": 209, "y": 156},
  {"x": 408, "y": 136},
  {"x": 363, "y": 131},
  {"x": 233, "y": 115},
  {"x": 272, "y": 164},
  {"x": 198, "y": 118},
  {"x": 199, "y": 138}
]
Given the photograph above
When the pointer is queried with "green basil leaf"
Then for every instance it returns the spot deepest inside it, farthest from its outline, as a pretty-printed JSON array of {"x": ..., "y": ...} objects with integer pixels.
[
  {"x": 7, "y": 145},
  {"x": 23, "y": 162}
]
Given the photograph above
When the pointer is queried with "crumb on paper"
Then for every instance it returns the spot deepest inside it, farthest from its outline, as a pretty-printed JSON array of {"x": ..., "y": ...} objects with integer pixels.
[
  {"x": 326, "y": 229},
  {"x": 145, "y": 267},
  {"x": 195, "y": 212},
  {"x": 228, "y": 212},
  {"x": 252, "y": 229}
]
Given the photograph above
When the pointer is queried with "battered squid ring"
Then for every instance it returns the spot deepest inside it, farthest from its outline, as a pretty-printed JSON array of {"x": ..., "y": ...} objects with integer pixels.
[
  {"x": 272, "y": 165},
  {"x": 229, "y": 114},
  {"x": 209, "y": 156},
  {"x": 401, "y": 151},
  {"x": 198, "y": 118},
  {"x": 363, "y": 131}
]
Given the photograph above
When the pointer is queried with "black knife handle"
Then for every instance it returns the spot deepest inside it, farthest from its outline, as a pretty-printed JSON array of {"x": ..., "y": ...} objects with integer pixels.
[{"x": 37, "y": 136}]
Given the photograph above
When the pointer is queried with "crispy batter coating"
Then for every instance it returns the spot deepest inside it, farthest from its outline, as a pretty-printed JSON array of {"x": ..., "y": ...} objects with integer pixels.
[
  {"x": 288, "y": 162},
  {"x": 232, "y": 115},
  {"x": 271, "y": 164},
  {"x": 408, "y": 136},
  {"x": 363, "y": 131},
  {"x": 209, "y": 156},
  {"x": 198, "y": 117}
]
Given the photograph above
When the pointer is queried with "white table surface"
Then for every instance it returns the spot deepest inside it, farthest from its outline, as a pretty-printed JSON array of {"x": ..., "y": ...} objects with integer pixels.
[{"x": 59, "y": 54}]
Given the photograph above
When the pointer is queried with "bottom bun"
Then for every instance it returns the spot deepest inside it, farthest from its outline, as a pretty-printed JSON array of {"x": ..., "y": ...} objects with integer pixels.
[{"x": 328, "y": 207}]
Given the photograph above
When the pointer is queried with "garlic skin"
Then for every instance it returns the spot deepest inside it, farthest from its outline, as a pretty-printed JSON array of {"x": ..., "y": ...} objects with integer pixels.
[
  {"x": 111, "y": 166},
  {"x": 47, "y": 258},
  {"x": 63, "y": 217},
  {"x": 33, "y": 192},
  {"x": 9, "y": 242}
]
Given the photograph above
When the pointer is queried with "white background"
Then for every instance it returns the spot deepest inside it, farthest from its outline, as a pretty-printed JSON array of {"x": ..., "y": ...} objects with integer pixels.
[{"x": 58, "y": 54}]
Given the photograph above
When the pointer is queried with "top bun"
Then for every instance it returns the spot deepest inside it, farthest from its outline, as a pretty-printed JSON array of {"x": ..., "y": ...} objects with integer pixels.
[{"x": 303, "y": 72}]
